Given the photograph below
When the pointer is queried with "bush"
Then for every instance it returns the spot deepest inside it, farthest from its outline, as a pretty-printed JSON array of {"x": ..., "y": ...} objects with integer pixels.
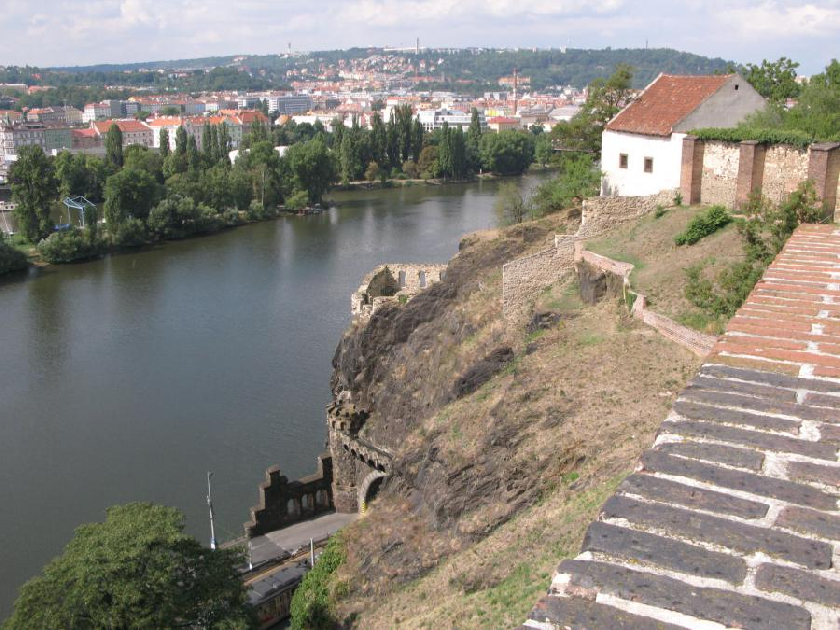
[
  {"x": 299, "y": 201},
  {"x": 706, "y": 223},
  {"x": 11, "y": 259},
  {"x": 312, "y": 603},
  {"x": 578, "y": 178},
  {"x": 230, "y": 217},
  {"x": 796, "y": 138},
  {"x": 678, "y": 199},
  {"x": 69, "y": 246},
  {"x": 763, "y": 235},
  {"x": 659, "y": 212},
  {"x": 131, "y": 233}
]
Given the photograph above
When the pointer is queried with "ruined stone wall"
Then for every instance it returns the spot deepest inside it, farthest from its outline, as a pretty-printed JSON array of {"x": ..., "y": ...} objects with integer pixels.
[
  {"x": 283, "y": 502},
  {"x": 720, "y": 173},
  {"x": 524, "y": 277},
  {"x": 699, "y": 343},
  {"x": 410, "y": 278},
  {"x": 604, "y": 213},
  {"x": 784, "y": 168}
]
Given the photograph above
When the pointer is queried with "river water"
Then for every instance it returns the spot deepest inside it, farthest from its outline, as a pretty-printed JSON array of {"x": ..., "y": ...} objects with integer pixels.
[{"x": 126, "y": 379}]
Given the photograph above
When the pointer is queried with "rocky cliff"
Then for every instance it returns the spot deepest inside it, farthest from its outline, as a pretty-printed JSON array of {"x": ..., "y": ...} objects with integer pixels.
[{"x": 504, "y": 438}]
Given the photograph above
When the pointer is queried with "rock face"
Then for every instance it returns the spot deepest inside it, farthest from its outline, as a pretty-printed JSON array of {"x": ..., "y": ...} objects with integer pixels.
[{"x": 404, "y": 365}]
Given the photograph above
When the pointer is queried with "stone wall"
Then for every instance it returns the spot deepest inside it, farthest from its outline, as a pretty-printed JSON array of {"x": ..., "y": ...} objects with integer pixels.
[
  {"x": 524, "y": 277},
  {"x": 720, "y": 173},
  {"x": 409, "y": 278},
  {"x": 699, "y": 343},
  {"x": 732, "y": 171},
  {"x": 604, "y": 213},
  {"x": 784, "y": 168},
  {"x": 283, "y": 502}
]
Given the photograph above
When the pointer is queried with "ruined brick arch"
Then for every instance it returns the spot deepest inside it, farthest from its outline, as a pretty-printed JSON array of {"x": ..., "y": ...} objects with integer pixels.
[{"x": 372, "y": 482}]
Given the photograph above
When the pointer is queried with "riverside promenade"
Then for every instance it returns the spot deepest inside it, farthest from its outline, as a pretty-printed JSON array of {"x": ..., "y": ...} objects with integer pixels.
[{"x": 731, "y": 520}]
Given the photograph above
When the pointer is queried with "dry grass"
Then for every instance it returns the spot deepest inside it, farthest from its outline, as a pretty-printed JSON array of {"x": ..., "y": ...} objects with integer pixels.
[
  {"x": 571, "y": 414},
  {"x": 660, "y": 265}
]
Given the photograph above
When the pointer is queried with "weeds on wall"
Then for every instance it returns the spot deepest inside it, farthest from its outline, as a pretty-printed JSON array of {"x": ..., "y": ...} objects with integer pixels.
[
  {"x": 763, "y": 235},
  {"x": 678, "y": 199},
  {"x": 706, "y": 223}
]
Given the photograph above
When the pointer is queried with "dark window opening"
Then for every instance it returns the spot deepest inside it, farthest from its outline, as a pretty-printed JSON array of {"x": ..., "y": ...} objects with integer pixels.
[
  {"x": 622, "y": 160},
  {"x": 648, "y": 165},
  {"x": 736, "y": 86}
]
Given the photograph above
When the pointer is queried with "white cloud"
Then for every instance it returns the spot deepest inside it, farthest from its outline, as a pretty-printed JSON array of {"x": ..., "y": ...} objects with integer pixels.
[
  {"x": 68, "y": 32},
  {"x": 774, "y": 19}
]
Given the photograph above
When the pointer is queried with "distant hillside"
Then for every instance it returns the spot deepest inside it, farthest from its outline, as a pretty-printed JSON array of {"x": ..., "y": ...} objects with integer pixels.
[{"x": 467, "y": 70}]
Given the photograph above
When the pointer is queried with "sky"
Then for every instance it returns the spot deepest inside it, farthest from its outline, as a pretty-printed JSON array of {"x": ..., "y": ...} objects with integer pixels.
[{"x": 83, "y": 32}]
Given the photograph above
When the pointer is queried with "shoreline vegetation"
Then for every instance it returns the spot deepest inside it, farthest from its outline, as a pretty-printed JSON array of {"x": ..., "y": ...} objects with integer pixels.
[{"x": 23, "y": 255}]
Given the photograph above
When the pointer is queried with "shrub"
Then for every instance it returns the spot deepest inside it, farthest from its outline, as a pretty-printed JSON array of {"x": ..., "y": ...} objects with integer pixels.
[
  {"x": 298, "y": 201},
  {"x": 409, "y": 167},
  {"x": 706, "y": 223},
  {"x": 131, "y": 233},
  {"x": 659, "y": 212},
  {"x": 69, "y": 246},
  {"x": 11, "y": 259},
  {"x": 763, "y": 235},
  {"x": 678, "y": 199},
  {"x": 796, "y": 138},
  {"x": 312, "y": 603},
  {"x": 230, "y": 217}
]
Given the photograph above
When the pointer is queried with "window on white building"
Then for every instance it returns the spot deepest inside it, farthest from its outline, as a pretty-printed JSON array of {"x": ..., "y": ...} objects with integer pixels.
[
  {"x": 622, "y": 160},
  {"x": 648, "y": 165}
]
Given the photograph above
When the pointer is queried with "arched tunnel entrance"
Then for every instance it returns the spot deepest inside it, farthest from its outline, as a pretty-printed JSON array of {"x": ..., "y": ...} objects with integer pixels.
[{"x": 370, "y": 489}]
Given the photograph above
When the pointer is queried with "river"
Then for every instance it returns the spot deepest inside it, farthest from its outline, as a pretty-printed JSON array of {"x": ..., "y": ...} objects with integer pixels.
[{"x": 126, "y": 379}]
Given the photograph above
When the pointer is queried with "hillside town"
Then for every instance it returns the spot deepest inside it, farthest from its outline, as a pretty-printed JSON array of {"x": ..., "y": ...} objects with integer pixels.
[{"x": 347, "y": 91}]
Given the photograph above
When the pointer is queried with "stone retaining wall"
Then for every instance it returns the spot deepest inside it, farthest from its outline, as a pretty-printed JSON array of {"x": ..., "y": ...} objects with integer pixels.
[
  {"x": 720, "y": 173},
  {"x": 604, "y": 213},
  {"x": 524, "y": 277},
  {"x": 699, "y": 343}
]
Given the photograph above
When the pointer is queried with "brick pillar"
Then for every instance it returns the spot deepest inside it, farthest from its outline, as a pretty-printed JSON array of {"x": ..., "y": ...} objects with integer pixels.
[
  {"x": 750, "y": 170},
  {"x": 691, "y": 172},
  {"x": 823, "y": 170}
]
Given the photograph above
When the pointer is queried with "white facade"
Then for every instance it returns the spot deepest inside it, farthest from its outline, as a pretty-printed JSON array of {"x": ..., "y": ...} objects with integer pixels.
[
  {"x": 432, "y": 119},
  {"x": 628, "y": 177}
]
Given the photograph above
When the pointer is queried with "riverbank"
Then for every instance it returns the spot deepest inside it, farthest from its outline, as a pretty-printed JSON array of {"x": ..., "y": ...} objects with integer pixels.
[{"x": 397, "y": 183}]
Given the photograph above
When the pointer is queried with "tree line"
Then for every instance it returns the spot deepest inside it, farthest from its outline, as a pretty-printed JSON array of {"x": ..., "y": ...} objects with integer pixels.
[{"x": 190, "y": 187}]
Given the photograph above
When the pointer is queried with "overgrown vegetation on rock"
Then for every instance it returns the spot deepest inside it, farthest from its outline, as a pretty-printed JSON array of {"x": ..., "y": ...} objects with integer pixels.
[{"x": 313, "y": 602}]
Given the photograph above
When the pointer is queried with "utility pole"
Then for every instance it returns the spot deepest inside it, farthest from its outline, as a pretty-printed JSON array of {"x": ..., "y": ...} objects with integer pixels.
[
  {"x": 210, "y": 505},
  {"x": 311, "y": 553}
]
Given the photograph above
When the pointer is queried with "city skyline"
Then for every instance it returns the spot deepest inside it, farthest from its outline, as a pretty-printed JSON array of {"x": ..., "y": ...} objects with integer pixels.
[{"x": 130, "y": 31}]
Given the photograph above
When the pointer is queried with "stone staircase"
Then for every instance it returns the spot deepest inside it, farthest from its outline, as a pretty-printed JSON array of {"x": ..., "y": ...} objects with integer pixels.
[{"x": 731, "y": 520}]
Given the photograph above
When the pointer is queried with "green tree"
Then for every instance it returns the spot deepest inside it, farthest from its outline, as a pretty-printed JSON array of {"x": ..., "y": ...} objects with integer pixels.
[
  {"x": 578, "y": 179},
  {"x": 129, "y": 193},
  {"x": 34, "y": 189},
  {"x": 312, "y": 168},
  {"x": 508, "y": 152},
  {"x": 444, "y": 160},
  {"x": 605, "y": 99},
  {"x": 473, "y": 141},
  {"x": 511, "y": 207},
  {"x": 775, "y": 81},
  {"x": 137, "y": 569},
  {"x": 379, "y": 142},
  {"x": 71, "y": 173},
  {"x": 144, "y": 159},
  {"x": 543, "y": 149},
  {"x": 114, "y": 146},
  {"x": 163, "y": 137}
]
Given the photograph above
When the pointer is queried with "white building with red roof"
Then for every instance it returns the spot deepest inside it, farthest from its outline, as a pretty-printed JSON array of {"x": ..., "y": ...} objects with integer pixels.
[
  {"x": 133, "y": 131},
  {"x": 641, "y": 150}
]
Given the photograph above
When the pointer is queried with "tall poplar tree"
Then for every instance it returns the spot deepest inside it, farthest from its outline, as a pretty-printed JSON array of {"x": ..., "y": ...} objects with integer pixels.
[
  {"x": 34, "y": 188},
  {"x": 114, "y": 146}
]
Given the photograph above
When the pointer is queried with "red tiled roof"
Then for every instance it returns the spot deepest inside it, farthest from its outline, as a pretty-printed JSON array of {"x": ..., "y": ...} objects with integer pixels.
[
  {"x": 126, "y": 126},
  {"x": 503, "y": 120},
  {"x": 665, "y": 102}
]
